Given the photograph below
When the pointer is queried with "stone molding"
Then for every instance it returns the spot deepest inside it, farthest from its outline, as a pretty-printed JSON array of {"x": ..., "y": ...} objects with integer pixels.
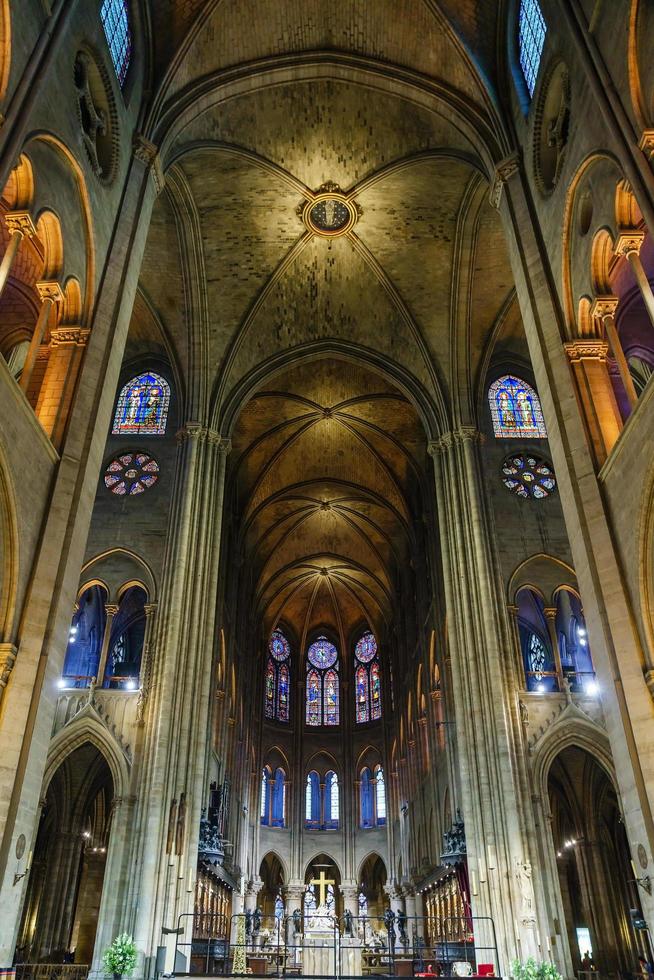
[
  {"x": 629, "y": 242},
  {"x": 465, "y": 433},
  {"x": 587, "y": 350},
  {"x": 604, "y": 306},
  {"x": 20, "y": 221},
  {"x": 148, "y": 154},
  {"x": 504, "y": 170},
  {"x": 646, "y": 143}
]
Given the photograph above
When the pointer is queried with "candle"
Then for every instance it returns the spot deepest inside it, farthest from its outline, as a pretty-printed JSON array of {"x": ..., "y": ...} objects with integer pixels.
[
  {"x": 473, "y": 882},
  {"x": 189, "y": 883}
]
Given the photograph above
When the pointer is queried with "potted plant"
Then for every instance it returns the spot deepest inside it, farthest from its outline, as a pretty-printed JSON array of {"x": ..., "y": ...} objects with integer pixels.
[
  {"x": 120, "y": 957},
  {"x": 531, "y": 970}
]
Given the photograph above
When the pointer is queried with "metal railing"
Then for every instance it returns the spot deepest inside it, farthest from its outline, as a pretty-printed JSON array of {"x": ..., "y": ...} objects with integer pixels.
[
  {"x": 51, "y": 971},
  {"x": 552, "y": 681},
  {"x": 324, "y": 946}
]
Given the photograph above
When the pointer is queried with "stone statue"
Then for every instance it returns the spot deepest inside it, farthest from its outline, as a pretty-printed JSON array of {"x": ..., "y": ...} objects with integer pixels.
[
  {"x": 389, "y": 922},
  {"x": 523, "y": 877},
  {"x": 297, "y": 922},
  {"x": 256, "y": 920},
  {"x": 401, "y": 925},
  {"x": 347, "y": 918},
  {"x": 248, "y": 922}
]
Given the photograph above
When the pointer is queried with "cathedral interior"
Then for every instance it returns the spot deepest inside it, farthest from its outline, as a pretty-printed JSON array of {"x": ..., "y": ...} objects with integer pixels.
[{"x": 327, "y": 613}]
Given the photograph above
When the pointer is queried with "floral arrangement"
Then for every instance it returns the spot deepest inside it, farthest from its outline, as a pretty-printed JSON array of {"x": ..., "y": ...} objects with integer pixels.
[
  {"x": 531, "y": 970},
  {"x": 120, "y": 957}
]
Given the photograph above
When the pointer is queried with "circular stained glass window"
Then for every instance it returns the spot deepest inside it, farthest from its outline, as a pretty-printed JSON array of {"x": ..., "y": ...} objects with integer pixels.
[
  {"x": 366, "y": 648},
  {"x": 278, "y": 645},
  {"x": 528, "y": 476},
  {"x": 322, "y": 653},
  {"x": 131, "y": 473}
]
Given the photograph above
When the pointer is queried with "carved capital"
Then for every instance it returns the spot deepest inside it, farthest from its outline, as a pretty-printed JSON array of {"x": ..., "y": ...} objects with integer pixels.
[
  {"x": 465, "y": 433},
  {"x": 202, "y": 433},
  {"x": 149, "y": 608},
  {"x": 69, "y": 335},
  {"x": 50, "y": 289},
  {"x": 646, "y": 143},
  {"x": 629, "y": 242},
  {"x": 504, "y": 170},
  {"x": 111, "y": 608},
  {"x": 20, "y": 221},
  {"x": 649, "y": 680},
  {"x": 587, "y": 350},
  {"x": 604, "y": 306},
  {"x": 148, "y": 154},
  {"x": 7, "y": 660}
]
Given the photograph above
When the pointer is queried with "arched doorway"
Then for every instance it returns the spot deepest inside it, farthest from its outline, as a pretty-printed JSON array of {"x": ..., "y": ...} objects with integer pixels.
[
  {"x": 270, "y": 899},
  {"x": 63, "y": 900},
  {"x": 593, "y": 863},
  {"x": 322, "y": 893},
  {"x": 372, "y": 884}
]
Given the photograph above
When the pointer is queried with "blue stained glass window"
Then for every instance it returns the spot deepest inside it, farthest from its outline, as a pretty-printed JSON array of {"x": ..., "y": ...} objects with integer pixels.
[
  {"x": 367, "y": 680},
  {"x": 115, "y": 21},
  {"x": 323, "y": 685},
  {"x": 277, "y": 681},
  {"x": 515, "y": 409},
  {"x": 142, "y": 407},
  {"x": 531, "y": 38}
]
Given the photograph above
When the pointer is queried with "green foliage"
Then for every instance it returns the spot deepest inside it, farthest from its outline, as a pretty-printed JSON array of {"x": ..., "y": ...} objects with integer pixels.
[
  {"x": 121, "y": 955},
  {"x": 531, "y": 970}
]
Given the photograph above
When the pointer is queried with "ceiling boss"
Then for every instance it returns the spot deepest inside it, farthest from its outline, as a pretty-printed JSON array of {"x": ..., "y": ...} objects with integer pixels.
[{"x": 329, "y": 212}]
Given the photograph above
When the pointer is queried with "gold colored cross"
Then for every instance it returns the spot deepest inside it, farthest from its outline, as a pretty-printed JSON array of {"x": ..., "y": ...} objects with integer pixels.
[{"x": 322, "y": 881}]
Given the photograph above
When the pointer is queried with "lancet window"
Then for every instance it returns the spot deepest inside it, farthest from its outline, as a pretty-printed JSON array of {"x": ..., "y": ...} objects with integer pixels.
[
  {"x": 367, "y": 680},
  {"x": 273, "y": 797},
  {"x": 531, "y": 39},
  {"x": 323, "y": 683},
  {"x": 114, "y": 15},
  {"x": 277, "y": 681},
  {"x": 142, "y": 407},
  {"x": 322, "y": 801},
  {"x": 372, "y": 797},
  {"x": 515, "y": 409}
]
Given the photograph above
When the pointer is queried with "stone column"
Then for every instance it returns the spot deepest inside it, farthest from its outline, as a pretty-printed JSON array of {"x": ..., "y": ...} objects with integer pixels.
[
  {"x": 603, "y": 309},
  {"x": 111, "y": 609},
  {"x": 177, "y": 732},
  {"x": 494, "y": 803},
  {"x": 19, "y": 225},
  {"x": 31, "y": 693},
  {"x": 617, "y": 653},
  {"x": 50, "y": 294},
  {"x": 600, "y": 408},
  {"x": 67, "y": 345},
  {"x": 629, "y": 244},
  {"x": 550, "y": 618},
  {"x": 410, "y": 909},
  {"x": 293, "y": 897}
]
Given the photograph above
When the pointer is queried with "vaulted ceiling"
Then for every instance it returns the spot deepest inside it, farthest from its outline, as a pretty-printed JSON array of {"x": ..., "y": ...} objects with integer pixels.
[{"x": 326, "y": 466}]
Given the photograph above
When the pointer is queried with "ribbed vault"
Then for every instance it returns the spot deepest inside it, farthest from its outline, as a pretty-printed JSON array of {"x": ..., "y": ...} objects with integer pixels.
[{"x": 327, "y": 469}]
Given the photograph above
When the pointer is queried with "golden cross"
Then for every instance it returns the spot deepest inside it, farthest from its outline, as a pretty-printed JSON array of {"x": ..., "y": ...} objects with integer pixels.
[{"x": 322, "y": 881}]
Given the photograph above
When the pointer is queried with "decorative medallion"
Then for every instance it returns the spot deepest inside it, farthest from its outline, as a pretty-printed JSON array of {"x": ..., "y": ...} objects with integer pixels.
[
  {"x": 329, "y": 212},
  {"x": 366, "y": 648},
  {"x": 279, "y": 646},
  {"x": 528, "y": 476},
  {"x": 642, "y": 857},
  {"x": 322, "y": 653},
  {"x": 20, "y": 846},
  {"x": 131, "y": 473}
]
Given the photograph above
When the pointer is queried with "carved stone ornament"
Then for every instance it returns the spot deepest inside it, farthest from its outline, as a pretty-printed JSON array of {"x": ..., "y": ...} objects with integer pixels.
[
  {"x": 646, "y": 143},
  {"x": 97, "y": 115},
  {"x": 148, "y": 154},
  {"x": 586, "y": 350},
  {"x": 604, "y": 306},
  {"x": 629, "y": 242},
  {"x": 328, "y": 212},
  {"x": 551, "y": 128},
  {"x": 7, "y": 660},
  {"x": 504, "y": 170},
  {"x": 20, "y": 221},
  {"x": 50, "y": 290},
  {"x": 454, "y": 842}
]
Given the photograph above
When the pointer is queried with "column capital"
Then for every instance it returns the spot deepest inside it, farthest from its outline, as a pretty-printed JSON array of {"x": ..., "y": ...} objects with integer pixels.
[
  {"x": 149, "y": 608},
  {"x": 20, "y": 221},
  {"x": 646, "y": 143},
  {"x": 202, "y": 433},
  {"x": 464, "y": 433},
  {"x": 629, "y": 242},
  {"x": 504, "y": 170},
  {"x": 8, "y": 654},
  {"x": 586, "y": 350},
  {"x": 604, "y": 306},
  {"x": 111, "y": 608},
  {"x": 550, "y": 612},
  {"x": 49, "y": 289},
  {"x": 69, "y": 335},
  {"x": 148, "y": 154}
]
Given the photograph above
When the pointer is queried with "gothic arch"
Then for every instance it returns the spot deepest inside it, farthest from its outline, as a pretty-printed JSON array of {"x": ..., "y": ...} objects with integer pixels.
[
  {"x": 576, "y": 731},
  {"x": 646, "y": 561},
  {"x": 117, "y": 569},
  {"x": 543, "y": 573},
  {"x": 277, "y": 856},
  {"x": 87, "y": 727},
  {"x": 372, "y": 854},
  {"x": 320, "y": 852}
]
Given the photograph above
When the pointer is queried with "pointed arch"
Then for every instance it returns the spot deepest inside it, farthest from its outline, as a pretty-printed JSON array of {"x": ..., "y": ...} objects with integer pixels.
[{"x": 87, "y": 727}]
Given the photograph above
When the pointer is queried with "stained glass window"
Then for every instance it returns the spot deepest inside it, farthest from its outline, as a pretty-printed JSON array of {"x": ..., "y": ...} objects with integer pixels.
[
  {"x": 131, "y": 474},
  {"x": 380, "y": 791},
  {"x": 277, "y": 686},
  {"x": 323, "y": 684},
  {"x": 528, "y": 476},
  {"x": 367, "y": 803},
  {"x": 312, "y": 801},
  {"x": 114, "y": 15},
  {"x": 332, "y": 800},
  {"x": 515, "y": 409},
  {"x": 367, "y": 679},
  {"x": 279, "y": 798},
  {"x": 265, "y": 794},
  {"x": 142, "y": 406},
  {"x": 531, "y": 39}
]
